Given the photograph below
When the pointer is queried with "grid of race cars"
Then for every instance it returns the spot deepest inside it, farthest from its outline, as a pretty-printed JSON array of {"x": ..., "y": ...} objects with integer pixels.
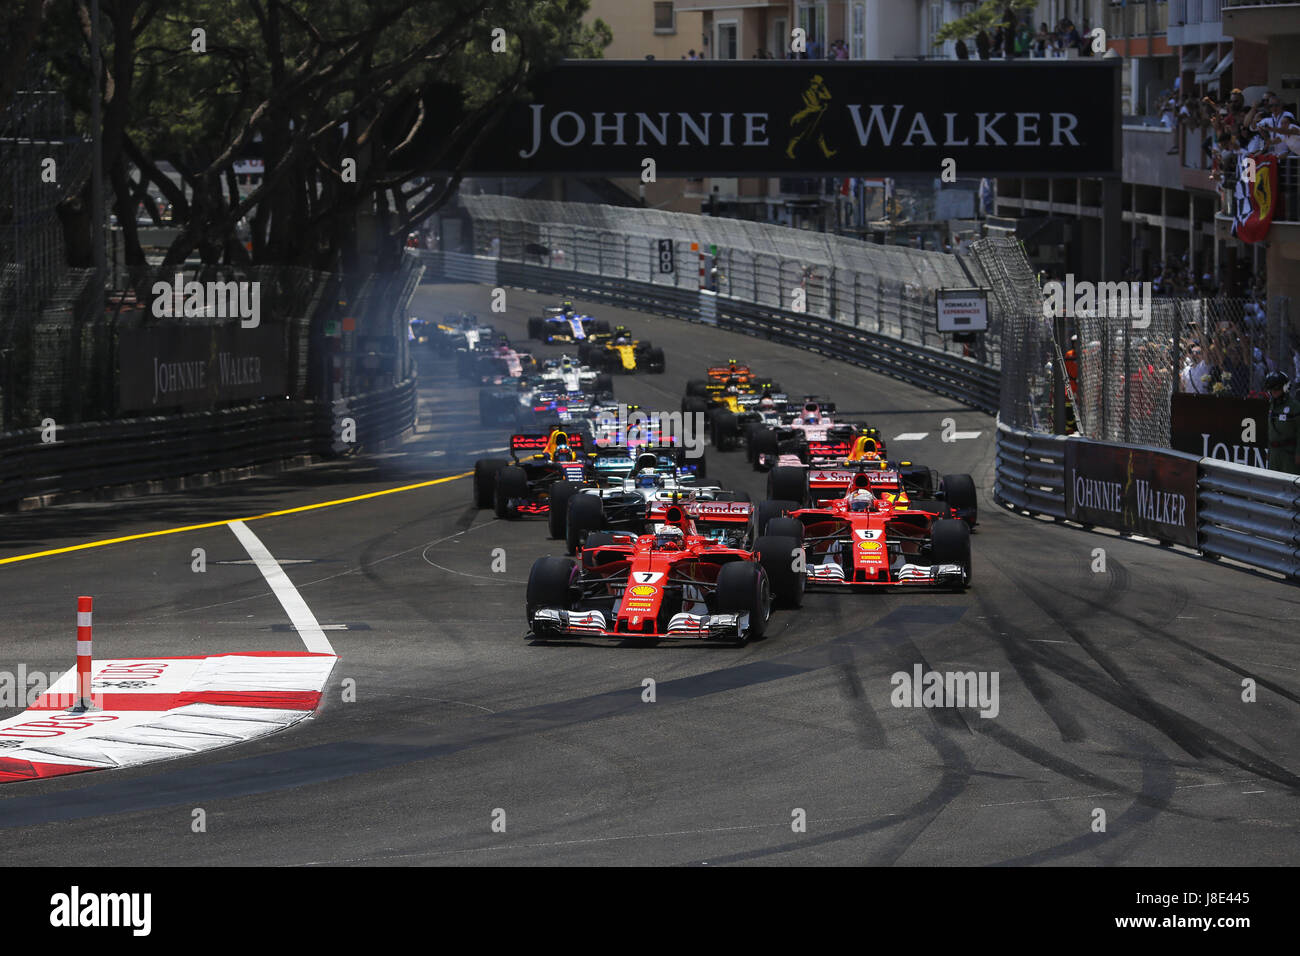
[{"x": 656, "y": 551}]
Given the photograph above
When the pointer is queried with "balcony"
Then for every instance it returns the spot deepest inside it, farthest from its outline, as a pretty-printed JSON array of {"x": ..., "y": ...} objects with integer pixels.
[
  {"x": 1286, "y": 216},
  {"x": 1139, "y": 19},
  {"x": 1256, "y": 20},
  {"x": 1195, "y": 21}
]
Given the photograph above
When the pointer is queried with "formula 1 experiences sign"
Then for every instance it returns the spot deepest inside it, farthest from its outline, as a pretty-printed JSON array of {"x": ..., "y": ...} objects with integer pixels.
[
  {"x": 803, "y": 118},
  {"x": 196, "y": 368},
  {"x": 1132, "y": 490}
]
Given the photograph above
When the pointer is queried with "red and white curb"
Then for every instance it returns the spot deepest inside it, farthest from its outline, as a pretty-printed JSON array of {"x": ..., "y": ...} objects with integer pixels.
[
  {"x": 151, "y": 709},
  {"x": 144, "y": 710}
]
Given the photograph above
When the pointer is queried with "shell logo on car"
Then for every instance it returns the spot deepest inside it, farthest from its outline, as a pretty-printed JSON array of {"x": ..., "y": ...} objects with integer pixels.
[
  {"x": 643, "y": 590},
  {"x": 869, "y": 545}
]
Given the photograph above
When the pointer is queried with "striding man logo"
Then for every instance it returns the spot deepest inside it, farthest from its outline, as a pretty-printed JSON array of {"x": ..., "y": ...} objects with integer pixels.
[{"x": 807, "y": 123}]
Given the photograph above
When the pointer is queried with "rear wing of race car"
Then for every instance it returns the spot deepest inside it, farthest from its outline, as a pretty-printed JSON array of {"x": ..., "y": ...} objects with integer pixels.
[
  {"x": 728, "y": 512},
  {"x": 830, "y": 449},
  {"x": 725, "y": 372},
  {"x": 532, "y": 444},
  {"x": 826, "y": 484}
]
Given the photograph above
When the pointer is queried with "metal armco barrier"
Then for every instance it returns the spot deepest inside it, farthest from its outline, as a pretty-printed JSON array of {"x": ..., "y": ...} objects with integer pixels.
[
  {"x": 1245, "y": 514},
  {"x": 1030, "y": 471},
  {"x": 1249, "y": 515},
  {"x": 100, "y": 455},
  {"x": 929, "y": 368}
]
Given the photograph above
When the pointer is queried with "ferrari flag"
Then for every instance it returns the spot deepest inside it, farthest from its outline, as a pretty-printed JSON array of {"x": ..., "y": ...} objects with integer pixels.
[{"x": 1256, "y": 196}]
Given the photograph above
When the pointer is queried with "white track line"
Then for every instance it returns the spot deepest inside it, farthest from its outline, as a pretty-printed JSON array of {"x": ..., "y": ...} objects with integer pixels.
[
  {"x": 910, "y": 436},
  {"x": 299, "y": 614}
]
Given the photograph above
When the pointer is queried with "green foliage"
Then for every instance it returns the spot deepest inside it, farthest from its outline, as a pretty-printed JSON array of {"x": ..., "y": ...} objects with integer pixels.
[
  {"x": 305, "y": 84},
  {"x": 986, "y": 16}
]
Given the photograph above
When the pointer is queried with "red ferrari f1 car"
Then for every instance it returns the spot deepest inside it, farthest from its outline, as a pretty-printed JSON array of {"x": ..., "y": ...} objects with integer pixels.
[{"x": 696, "y": 575}]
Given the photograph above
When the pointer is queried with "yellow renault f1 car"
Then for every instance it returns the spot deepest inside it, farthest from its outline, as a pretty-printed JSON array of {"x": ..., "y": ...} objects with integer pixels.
[{"x": 619, "y": 351}]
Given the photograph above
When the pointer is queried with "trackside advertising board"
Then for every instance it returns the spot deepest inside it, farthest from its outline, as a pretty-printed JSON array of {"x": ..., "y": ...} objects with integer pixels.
[
  {"x": 1214, "y": 427},
  {"x": 1133, "y": 490},
  {"x": 195, "y": 368},
  {"x": 802, "y": 118}
]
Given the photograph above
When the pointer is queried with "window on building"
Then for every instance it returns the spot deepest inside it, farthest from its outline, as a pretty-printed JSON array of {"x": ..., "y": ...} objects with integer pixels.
[
  {"x": 812, "y": 19},
  {"x": 664, "y": 20},
  {"x": 936, "y": 24},
  {"x": 780, "y": 37},
  {"x": 858, "y": 31},
  {"x": 726, "y": 46}
]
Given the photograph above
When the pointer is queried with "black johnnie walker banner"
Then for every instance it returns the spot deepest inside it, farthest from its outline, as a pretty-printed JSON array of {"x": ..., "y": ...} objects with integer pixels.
[
  {"x": 807, "y": 118},
  {"x": 1133, "y": 490},
  {"x": 1214, "y": 427},
  {"x": 196, "y": 368}
]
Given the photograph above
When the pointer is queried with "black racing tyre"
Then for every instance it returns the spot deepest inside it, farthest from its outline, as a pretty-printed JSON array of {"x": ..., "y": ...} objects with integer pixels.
[
  {"x": 788, "y": 483},
  {"x": 586, "y": 514},
  {"x": 600, "y": 327},
  {"x": 552, "y": 582},
  {"x": 950, "y": 544},
  {"x": 604, "y": 385},
  {"x": 773, "y": 509},
  {"x": 586, "y": 353},
  {"x": 465, "y": 362},
  {"x": 485, "y": 480},
  {"x": 656, "y": 362},
  {"x": 959, "y": 491},
  {"x": 743, "y": 589},
  {"x": 595, "y": 541},
  {"x": 785, "y": 527},
  {"x": 762, "y": 442},
  {"x": 725, "y": 429},
  {"x": 694, "y": 403},
  {"x": 780, "y": 555},
  {"x": 698, "y": 386},
  {"x": 557, "y": 518},
  {"x": 536, "y": 328},
  {"x": 512, "y": 482}
]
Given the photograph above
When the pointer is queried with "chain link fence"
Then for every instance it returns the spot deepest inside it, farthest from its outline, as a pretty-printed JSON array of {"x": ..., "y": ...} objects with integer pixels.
[
  {"x": 877, "y": 288},
  {"x": 1122, "y": 377}
]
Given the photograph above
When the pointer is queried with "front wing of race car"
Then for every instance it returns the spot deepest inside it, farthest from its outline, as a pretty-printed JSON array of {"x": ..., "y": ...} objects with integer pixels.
[
  {"x": 832, "y": 572},
  {"x": 551, "y": 624}
]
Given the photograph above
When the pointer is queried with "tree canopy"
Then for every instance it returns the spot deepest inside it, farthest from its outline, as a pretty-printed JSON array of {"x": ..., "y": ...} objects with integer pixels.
[{"x": 325, "y": 92}]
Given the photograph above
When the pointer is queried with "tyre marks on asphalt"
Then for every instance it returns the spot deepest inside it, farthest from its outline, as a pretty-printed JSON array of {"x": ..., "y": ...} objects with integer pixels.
[{"x": 287, "y": 769}]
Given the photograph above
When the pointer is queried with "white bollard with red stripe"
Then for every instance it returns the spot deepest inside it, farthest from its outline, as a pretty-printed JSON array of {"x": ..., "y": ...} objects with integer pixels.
[{"x": 84, "y": 702}]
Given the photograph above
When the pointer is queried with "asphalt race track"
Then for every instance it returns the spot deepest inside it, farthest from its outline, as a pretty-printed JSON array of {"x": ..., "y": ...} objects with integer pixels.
[{"x": 1119, "y": 691}]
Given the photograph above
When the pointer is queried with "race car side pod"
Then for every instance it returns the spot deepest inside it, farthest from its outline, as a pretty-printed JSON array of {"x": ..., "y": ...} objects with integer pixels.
[{"x": 84, "y": 703}]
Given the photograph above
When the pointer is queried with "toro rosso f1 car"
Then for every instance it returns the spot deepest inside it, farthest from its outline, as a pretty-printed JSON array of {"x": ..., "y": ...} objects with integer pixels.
[{"x": 671, "y": 583}]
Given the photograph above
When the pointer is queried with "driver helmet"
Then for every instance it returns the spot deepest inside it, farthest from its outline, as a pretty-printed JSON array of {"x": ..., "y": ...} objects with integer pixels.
[
  {"x": 669, "y": 536},
  {"x": 648, "y": 478},
  {"x": 563, "y": 453},
  {"x": 733, "y": 385},
  {"x": 861, "y": 497},
  {"x": 766, "y": 401}
]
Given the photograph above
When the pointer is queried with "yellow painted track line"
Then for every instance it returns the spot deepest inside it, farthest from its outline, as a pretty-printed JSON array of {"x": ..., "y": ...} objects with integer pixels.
[{"x": 218, "y": 524}]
